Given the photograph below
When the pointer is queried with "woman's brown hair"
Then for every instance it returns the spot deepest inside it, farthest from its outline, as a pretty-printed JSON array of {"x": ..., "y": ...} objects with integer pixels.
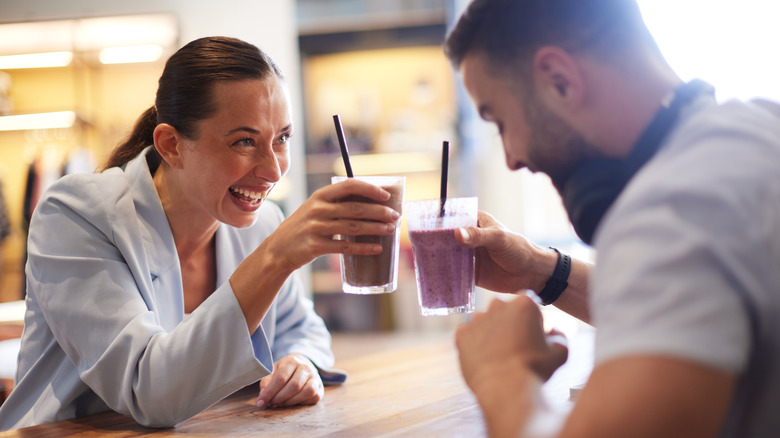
[{"x": 185, "y": 89}]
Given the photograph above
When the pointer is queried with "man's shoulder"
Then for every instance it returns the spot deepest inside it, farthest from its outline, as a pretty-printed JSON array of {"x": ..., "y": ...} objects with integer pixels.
[
  {"x": 751, "y": 121},
  {"x": 720, "y": 165},
  {"x": 734, "y": 144}
]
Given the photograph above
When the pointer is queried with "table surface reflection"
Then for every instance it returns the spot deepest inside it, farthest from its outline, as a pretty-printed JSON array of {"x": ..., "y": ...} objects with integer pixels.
[{"x": 399, "y": 385}]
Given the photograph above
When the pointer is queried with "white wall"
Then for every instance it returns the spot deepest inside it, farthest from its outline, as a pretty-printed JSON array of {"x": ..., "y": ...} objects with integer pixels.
[{"x": 269, "y": 24}]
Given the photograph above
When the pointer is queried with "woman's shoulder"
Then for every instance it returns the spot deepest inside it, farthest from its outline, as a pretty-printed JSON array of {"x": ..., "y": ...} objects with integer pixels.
[
  {"x": 94, "y": 197},
  {"x": 89, "y": 189}
]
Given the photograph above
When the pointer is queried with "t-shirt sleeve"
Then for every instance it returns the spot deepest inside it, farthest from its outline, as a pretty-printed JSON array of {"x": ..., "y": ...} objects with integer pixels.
[{"x": 676, "y": 260}]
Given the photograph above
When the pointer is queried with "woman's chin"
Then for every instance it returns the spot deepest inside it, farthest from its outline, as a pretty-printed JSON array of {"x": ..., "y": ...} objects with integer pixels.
[{"x": 242, "y": 219}]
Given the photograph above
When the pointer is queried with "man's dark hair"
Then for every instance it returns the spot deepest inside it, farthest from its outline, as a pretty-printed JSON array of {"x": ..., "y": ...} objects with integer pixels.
[{"x": 509, "y": 32}]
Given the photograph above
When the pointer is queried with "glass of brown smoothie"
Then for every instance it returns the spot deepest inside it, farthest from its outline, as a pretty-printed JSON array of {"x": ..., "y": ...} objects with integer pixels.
[{"x": 375, "y": 274}]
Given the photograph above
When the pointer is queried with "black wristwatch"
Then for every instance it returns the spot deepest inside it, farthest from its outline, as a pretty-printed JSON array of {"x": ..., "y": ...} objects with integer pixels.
[{"x": 558, "y": 281}]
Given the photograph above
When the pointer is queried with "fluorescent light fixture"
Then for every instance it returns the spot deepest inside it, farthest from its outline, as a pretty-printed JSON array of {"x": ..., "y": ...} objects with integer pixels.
[
  {"x": 388, "y": 163},
  {"x": 131, "y": 54},
  {"x": 36, "y": 60},
  {"x": 93, "y": 34},
  {"x": 59, "y": 119}
]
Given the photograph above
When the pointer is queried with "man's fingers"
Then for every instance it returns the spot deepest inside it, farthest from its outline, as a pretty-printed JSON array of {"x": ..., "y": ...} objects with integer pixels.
[
  {"x": 557, "y": 354},
  {"x": 485, "y": 220},
  {"x": 556, "y": 337}
]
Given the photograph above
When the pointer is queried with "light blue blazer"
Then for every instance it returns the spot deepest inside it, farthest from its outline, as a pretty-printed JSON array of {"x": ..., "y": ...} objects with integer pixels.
[{"x": 105, "y": 325}]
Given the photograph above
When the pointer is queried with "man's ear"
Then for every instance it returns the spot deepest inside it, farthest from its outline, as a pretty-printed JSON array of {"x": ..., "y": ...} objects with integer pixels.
[
  {"x": 558, "y": 79},
  {"x": 168, "y": 143}
]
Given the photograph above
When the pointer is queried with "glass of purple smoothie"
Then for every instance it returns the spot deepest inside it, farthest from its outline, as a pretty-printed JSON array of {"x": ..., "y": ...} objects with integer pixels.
[
  {"x": 443, "y": 267},
  {"x": 374, "y": 274}
]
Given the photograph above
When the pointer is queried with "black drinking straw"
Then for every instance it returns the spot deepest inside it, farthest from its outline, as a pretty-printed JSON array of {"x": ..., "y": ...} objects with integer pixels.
[
  {"x": 445, "y": 159},
  {"x": 343, "y": 144}
]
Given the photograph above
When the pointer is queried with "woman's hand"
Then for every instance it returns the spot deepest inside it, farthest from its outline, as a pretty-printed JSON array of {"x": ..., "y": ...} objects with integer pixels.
[
  {"x": 506, "y": 261},
  {"x": 308, "y": 233},
  {"x": 295, "y": 381}
]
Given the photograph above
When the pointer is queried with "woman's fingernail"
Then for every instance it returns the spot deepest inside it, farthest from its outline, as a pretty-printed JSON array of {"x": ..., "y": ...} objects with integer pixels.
[{"x": 260, "y": 403}]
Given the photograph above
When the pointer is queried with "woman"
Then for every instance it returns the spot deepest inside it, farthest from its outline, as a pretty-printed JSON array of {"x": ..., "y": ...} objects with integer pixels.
[{"x": 165, "y": 283}]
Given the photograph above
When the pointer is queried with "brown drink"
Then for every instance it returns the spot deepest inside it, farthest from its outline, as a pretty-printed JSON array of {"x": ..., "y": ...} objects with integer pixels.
[{"x": 376, "y": 273}]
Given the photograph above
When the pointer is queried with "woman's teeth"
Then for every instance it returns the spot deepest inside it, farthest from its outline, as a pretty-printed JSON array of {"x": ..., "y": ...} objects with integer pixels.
[{"x": 248, "y": 195}]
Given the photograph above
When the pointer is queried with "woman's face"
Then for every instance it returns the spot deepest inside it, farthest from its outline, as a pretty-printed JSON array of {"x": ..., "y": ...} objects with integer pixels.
[{"x": 240, "y": 152}]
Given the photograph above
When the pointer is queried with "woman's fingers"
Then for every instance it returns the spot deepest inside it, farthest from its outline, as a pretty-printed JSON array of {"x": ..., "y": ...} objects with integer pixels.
[
  {"x": 352, "y": 187},
  {"x": 294, "y": 381},
  {"x": 302, "y": 388},
  {"x": 365, "y": 210}
]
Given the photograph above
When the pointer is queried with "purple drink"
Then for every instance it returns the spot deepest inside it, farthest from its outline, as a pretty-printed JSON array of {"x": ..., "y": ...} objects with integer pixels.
[
  {"x": 445, "y": 271},
  {"x": 443, "y": 267}
]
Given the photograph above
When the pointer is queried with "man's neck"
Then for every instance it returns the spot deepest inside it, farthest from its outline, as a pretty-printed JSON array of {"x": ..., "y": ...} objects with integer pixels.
[{"x": 625, "y": 98}]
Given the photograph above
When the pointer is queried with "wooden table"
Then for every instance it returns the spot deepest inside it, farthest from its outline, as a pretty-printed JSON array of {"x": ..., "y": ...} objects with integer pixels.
[
  {"x": 11, "y": 319},
  {"x": 11, "y": 327},
  {"x": 398, "y": 385}
]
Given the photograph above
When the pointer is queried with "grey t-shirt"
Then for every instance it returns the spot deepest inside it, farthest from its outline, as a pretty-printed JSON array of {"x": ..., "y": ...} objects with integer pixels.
[{"x": 688, "y": 257}]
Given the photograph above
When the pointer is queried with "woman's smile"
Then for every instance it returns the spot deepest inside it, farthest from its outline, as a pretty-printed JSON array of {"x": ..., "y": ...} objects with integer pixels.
[{"x": 246, "y": 199}]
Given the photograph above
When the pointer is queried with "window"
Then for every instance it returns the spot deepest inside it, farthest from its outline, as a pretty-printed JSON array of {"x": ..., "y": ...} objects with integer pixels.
[{"x": 734, "y": 46}]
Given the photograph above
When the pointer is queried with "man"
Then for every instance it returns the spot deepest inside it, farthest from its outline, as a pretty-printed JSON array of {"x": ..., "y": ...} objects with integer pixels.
[{"x": 679, "y": 195}]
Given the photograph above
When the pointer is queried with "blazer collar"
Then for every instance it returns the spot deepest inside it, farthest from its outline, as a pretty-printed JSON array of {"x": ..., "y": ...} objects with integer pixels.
[{"x": 155, "y": 229}]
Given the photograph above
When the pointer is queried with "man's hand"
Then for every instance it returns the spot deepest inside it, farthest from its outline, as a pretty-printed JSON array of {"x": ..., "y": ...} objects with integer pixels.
[
  {"x": 506, "y": 261},
  {"x": 508, "y": 332},
  {"x": 504, "y": 356}
]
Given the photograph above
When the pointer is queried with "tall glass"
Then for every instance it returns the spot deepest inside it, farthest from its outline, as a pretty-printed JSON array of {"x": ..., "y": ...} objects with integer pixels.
[
  {"x": 443, "y": 267},
  {"x": 374, "y": 274}
]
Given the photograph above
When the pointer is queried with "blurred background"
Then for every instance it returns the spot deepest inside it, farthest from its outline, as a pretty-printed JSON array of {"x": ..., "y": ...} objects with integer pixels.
[{"x": 377, "y": 63}]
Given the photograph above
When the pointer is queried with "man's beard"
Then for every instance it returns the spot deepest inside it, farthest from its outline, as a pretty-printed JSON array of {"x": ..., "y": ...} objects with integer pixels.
[{"x": 554, "y": 147}]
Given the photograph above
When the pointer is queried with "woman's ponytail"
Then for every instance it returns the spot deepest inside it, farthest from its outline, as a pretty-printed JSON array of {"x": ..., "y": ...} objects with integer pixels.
[
  {"x": 141, "y": 137},
  {"x": 185, "y": 92}
]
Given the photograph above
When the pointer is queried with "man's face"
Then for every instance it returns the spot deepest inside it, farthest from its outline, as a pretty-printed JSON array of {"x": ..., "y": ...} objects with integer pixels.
[{"x": 532, "y": 135}]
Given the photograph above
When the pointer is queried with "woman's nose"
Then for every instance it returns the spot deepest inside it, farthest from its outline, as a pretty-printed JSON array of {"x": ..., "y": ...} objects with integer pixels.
[{"x": 267, "y": 168}]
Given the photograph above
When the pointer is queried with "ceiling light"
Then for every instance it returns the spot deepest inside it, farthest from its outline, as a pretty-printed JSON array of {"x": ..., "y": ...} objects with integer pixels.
[
  {"x": 131, "y": 54},
  {"x": 59, "y": 119},
  {"x": 36, "y": 60}
]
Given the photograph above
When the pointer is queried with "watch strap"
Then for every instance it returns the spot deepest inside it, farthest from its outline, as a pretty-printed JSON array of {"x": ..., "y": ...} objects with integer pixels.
[{"x": 558, "y": 281}]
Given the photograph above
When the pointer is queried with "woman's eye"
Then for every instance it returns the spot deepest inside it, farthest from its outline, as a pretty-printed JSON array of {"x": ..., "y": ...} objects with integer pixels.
[
  {"x": 244, "y": 142},
  {"x": 284, "y": 138}
]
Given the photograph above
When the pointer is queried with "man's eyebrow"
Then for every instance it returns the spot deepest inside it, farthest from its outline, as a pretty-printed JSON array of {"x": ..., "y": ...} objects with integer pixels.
[{"x": 244, "y": 129}]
